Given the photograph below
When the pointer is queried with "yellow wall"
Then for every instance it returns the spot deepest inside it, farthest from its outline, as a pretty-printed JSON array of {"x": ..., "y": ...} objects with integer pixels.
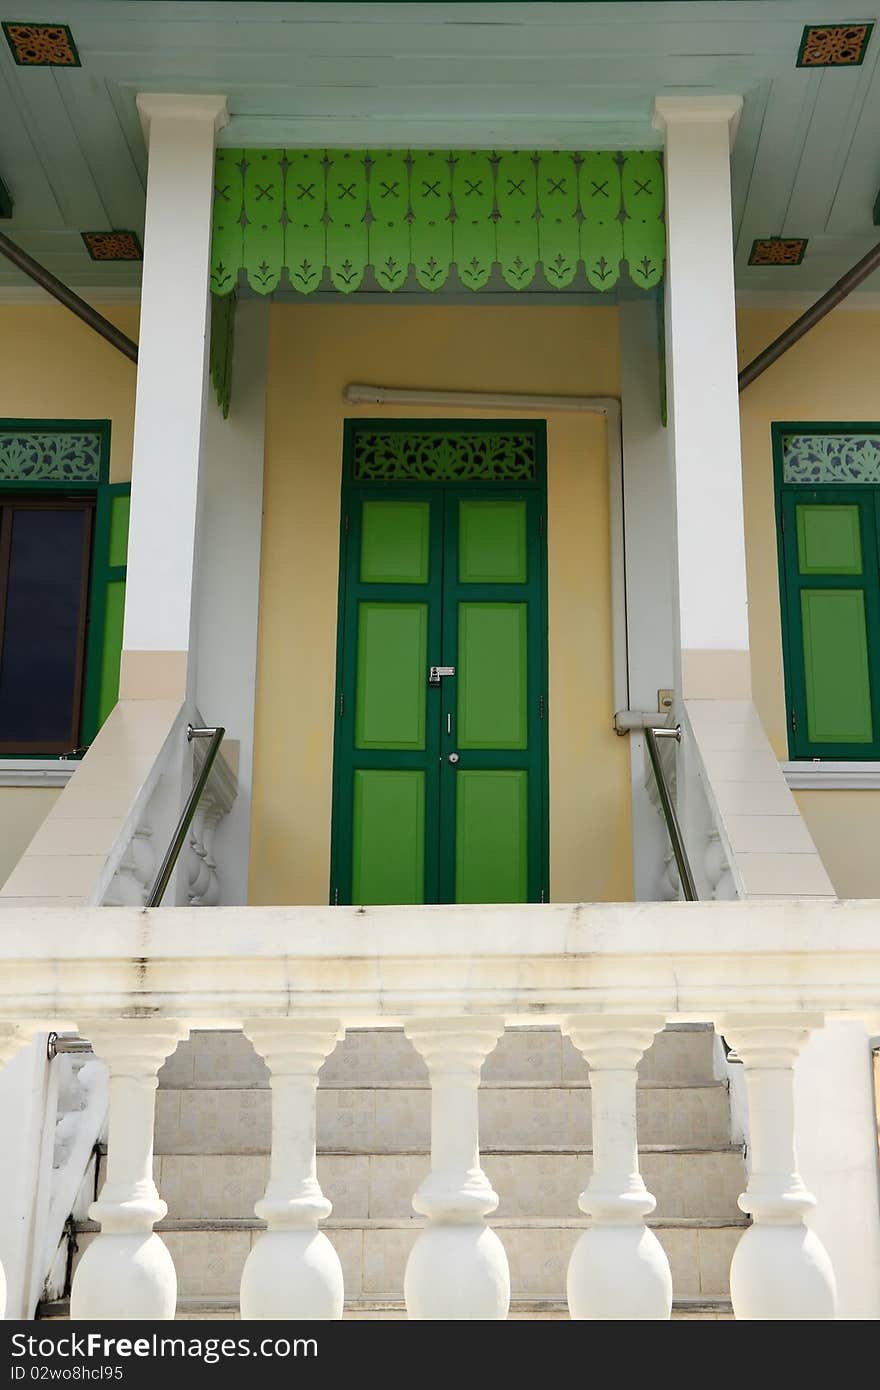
[
  {"x": 831, "y": 374},
  {"x": 53, "y": 367},
  {"x": 314, "y": 351}
]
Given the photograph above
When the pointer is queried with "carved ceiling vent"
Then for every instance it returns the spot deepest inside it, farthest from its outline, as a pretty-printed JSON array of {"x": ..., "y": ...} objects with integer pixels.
[
  {"x": 42, "y": 45},
  {"x": 113, "y": 246},
  {"x": 833, "y": 45},
  {"x": 777, "y": 250}
]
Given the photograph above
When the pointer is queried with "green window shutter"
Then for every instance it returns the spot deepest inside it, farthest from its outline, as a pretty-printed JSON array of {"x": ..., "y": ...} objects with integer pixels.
[
  {"x": 832, "y": 604},
  {"x": 106, "y": 606}
]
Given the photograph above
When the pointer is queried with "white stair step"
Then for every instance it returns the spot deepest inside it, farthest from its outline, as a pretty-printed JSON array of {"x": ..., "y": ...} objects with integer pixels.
[
  {"x": 681, "y": 1055},
  {"x": 694, "y": 1183},
  {"x": 394, "y": 1119},
  {"x": 373, "y": 1255}
]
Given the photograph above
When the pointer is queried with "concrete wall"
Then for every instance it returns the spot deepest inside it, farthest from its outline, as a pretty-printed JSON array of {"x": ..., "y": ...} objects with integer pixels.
[
  {"x": 830, "y": 375},
  {"x": 314, "y": 350}
]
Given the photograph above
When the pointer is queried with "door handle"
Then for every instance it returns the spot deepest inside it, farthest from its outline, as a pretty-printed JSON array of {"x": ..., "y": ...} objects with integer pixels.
[
  {"x": 435, "y": 673},
  {"x": 453, "y": 758}
]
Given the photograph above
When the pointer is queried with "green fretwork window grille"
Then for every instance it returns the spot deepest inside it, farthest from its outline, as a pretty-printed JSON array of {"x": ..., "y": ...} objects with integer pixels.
[
  {"x": 57, "y": 456},
  {"x": 831, "y": 458},
  {"x": 421, "y": 212},
  {"x": 444, "y": 458}
]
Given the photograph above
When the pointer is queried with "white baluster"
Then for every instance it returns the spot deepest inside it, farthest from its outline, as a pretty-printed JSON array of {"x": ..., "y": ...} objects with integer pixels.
[
  {"x": 618, "y": 1269},
  {"x": 780, "y": 1268},
  {"x": 293, "y": 1271},
  {"x": 12, "y": 1039},
  {"x": 127, "y": 1272},
  {"x": 457, "y": 1268}
]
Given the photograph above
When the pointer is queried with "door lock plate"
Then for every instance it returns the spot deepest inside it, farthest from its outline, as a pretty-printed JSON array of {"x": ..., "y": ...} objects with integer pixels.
[{"x": 436, "y": 673}]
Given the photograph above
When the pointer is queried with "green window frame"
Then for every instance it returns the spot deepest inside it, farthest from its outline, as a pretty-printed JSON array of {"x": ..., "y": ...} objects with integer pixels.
[
  {"x": 827, "y": 487},
  {"x": 71, "y": 458}
]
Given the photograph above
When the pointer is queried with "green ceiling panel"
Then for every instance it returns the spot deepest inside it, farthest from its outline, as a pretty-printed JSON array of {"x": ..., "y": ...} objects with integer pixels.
[
  {"x": 431, "y": 225},
  {"x": 304, "y": 238},
  {"x": 264, "y": 229},
  {"x": 347, "y": 236},
  {"x": 397, "y": 213},
  {"x": 389, "y": 230},
  {"x": 644, "y": 235}
]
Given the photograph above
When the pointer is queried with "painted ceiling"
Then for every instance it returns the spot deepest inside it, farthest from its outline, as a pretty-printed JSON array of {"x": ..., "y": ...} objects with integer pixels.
[{"x": 575, "y": 76}]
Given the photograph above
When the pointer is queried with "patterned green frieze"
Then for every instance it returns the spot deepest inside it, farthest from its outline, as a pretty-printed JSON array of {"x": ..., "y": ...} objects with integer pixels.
[
  {"x": 831, "y": 458},
  {"x": 58, "y": 457},
  {"x": 426, "y": 457},
  {"x": 353, "y": 218}
]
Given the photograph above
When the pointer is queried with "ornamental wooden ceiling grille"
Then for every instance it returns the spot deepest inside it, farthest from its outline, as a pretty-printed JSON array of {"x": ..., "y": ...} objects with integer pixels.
[{"x": 423, "y": 212}]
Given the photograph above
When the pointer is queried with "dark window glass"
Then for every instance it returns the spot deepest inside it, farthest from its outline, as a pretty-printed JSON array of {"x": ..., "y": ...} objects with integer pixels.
[{"x": 44, "y": 562}]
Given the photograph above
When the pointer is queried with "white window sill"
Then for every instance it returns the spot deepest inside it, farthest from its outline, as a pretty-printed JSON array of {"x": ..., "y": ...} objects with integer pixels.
[
  {"x": 37, "y": 772},
  {"x": 822, "y": 775}
]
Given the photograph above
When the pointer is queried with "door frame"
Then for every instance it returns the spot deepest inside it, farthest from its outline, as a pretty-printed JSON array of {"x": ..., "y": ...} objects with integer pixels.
[{"x": 341, "y": 831}]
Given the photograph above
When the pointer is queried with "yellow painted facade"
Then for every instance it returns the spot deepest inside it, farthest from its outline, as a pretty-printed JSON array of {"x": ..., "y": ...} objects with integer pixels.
[
  {"x": 831, "y": 374},
  {"x": 54, "y": 367},
  {"x": 314, "y": 351}
]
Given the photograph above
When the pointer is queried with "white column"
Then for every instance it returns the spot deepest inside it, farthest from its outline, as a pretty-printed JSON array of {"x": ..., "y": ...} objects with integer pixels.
[
  {"x": 127, "y": 1272},
  {"x": 780, "y": 1269},
  {"x": 293, "y": 1270},
  {"x": 702, "y": 396},
  {"x": 171, "y": 388},
  {"x": 618, "y": 1268},
  {"x": 12, "y": 1039},
  {"x": 457, "y": 1270}
]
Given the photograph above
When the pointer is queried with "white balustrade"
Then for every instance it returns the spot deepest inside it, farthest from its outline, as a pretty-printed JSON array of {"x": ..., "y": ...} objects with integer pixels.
[
  {"x": 618, "y": 1269},
  {"x": 781, "y": 1270},
  {"x": 457, "y": 1269},
  {"x": 293, "y": 1270},
  {"x": 127, "y": 1272},
  {"x": 12, "y": 1039}
]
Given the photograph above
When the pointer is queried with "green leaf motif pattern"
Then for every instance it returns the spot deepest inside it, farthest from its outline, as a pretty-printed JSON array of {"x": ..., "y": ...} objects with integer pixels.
[
  {"x": 59, "y": 457},
  {"x": 430, "y": 458},
  {"x": 831, "y": 458},
  {"x": 327, "y": 217}
]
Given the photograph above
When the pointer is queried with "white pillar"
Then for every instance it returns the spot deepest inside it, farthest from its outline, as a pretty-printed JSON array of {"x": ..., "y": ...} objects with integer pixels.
[
  {"x": 702, "y": 396},
  {"x": 171, "y": 386},
  {"x": 293, "y": 1270},
  {"x": 618, "y": 1269},
  {"x": 12, "y": 1039},
  {"x": 127, "y": 1272},
  {"x": 780, "y": 1269},
  {"x": 457, "y": 1270}
]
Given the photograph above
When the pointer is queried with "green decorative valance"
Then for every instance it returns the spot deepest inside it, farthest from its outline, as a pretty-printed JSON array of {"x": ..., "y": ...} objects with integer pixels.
[{"x": 424, "y": 211}]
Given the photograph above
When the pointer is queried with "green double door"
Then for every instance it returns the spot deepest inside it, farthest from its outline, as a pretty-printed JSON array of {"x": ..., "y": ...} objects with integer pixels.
[{"x": 440, "y": 770}]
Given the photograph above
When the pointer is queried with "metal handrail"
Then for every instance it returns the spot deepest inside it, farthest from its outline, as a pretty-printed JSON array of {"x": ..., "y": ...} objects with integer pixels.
[
  {"x": 157, "y": 892},
  {"x": 688, "y": 886}
]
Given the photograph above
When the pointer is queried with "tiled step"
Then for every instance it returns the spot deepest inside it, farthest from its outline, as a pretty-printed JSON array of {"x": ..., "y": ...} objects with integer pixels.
[
  {"x": 373, "y": 1254},
  {"x": 395, "y": 1119},
  {"x": 686, "y": 1183},
  {"x": 682, "y": 1055}
]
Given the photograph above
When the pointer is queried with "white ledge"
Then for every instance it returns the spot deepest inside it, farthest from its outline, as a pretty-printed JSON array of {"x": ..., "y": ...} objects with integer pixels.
[
  {"x": 822, "y": 775},
  {"x": 379, "y": 966},
  {"x": 37, "y": 772}
]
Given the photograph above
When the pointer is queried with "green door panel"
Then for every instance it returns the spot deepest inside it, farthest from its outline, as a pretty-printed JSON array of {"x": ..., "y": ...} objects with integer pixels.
[
  {"x": 492, "y": 675},
  {"x": 106, "y": 606},
  {"x": 392, "y": 659},
  {"x": 491, "y": 836},
  {"x": 120, "y": 508},
  {"x": 111, "y": 648},
  {"x": 388, "y": 837},
  {"x": 492, "y": 543},
  {"x": 395, "y": 540},
  {"x": 838, "y": 684},
  {"x": 829, "y": 540}
]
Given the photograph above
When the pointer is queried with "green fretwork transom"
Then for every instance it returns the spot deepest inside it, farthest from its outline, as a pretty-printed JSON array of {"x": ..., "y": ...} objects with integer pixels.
[
  {"x": 325, "y": 216},
  {"x": 57, "y": 457},
  {"x": 446, "y": 458},
  {"x": 831, "y": 458}
]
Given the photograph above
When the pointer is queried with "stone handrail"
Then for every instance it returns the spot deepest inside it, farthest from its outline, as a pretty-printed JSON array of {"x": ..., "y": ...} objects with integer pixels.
[{"x": 611, "y": 976}]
